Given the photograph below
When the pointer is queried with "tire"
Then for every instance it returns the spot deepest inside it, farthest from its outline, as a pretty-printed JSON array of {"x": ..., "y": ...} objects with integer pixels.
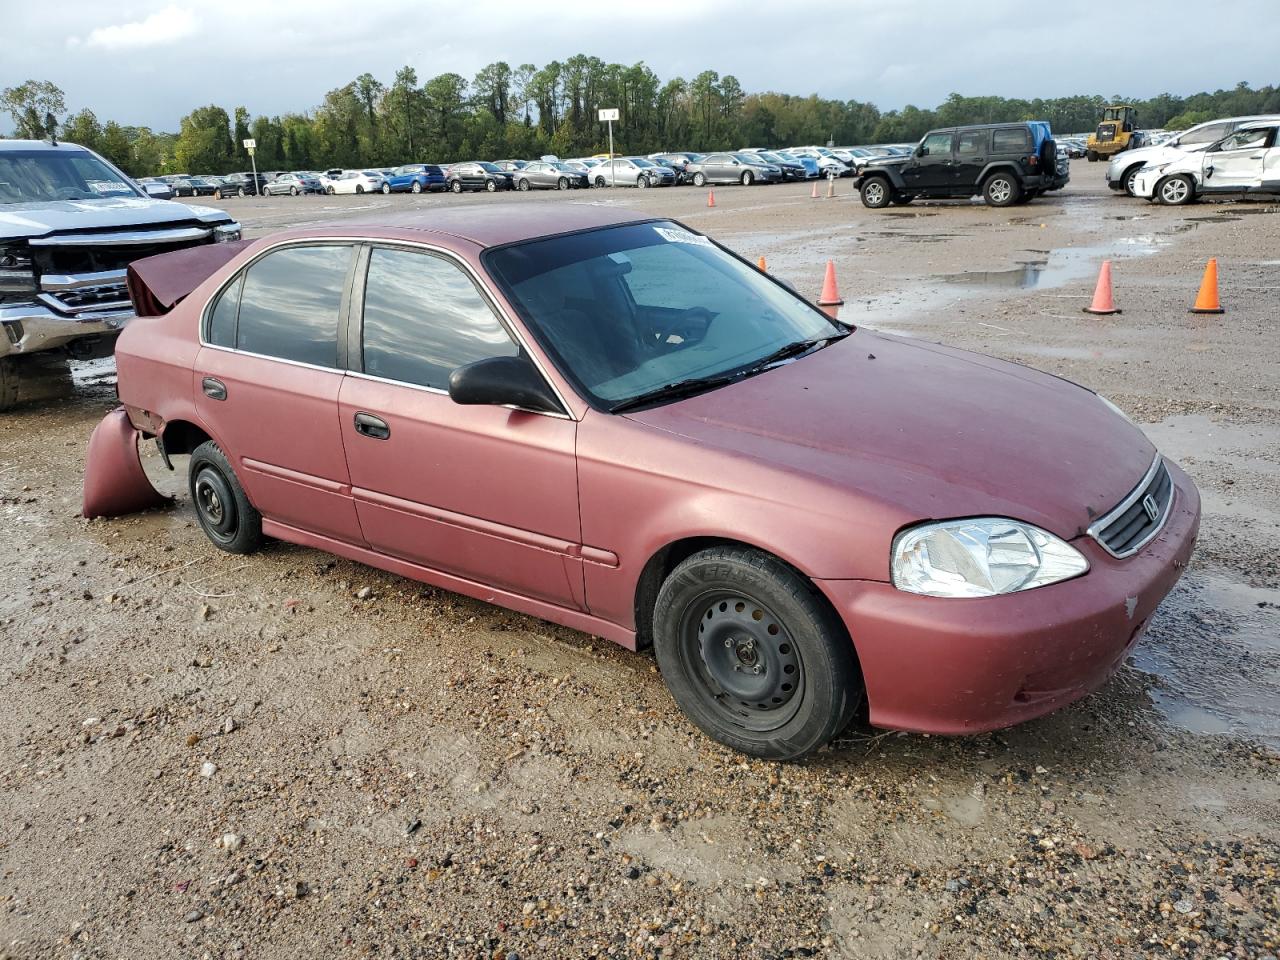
[
  {"x": 217, "y": 194},
  {"x": 699, "y": 179},
  {"x": 601, "y": 182},
  {"x": 240, "y": 192},
  {"x": 562, "y": 183},
  {"x": 359, "y": 188},
  {"x": 1176, "y": 191},
  {"x": 330, "y": 191},
  {"x": 293, "y": 191},
  {"x": 456, "y": 186},
  {"x": 225, "y": 514},
  {"x": 416, "y": 188},
  {"x": 1128, "y": 177},
  {"x": 748, "y": 178},
  {"x": 523, "y": 185},
  {"x": 491, "y": 186},
  {"x": 876, "y": 193},
  {"x": 1091, "y": 156},
  {"x": 1001, "y": 190},
  {"x": 753, "y": 655},
  {"x": 385, "y": 188},
  {"x": 642, "y": 182},
  {"x": 9, "y": 376}
]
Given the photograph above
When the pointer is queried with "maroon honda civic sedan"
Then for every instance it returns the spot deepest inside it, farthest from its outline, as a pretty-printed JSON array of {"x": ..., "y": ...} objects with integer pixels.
[{"x": 616, "y": 424}]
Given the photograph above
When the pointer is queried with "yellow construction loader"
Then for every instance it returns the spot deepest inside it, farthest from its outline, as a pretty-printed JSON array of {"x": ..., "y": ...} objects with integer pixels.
[{"x": 1117, "y": 131}]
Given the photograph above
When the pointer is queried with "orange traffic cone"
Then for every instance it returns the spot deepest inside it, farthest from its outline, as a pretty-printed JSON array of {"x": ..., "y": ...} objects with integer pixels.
[
  {"x": 1103, "y": 304},
  {"x": 831, "y": 187},
  {"x": 814, "y": 194},
  {"x": 762, "y": 266},
  {"x": 830, "y": 301},
  {"x": 711, "y": 198},
  {"x": 1207, "y": 300}
]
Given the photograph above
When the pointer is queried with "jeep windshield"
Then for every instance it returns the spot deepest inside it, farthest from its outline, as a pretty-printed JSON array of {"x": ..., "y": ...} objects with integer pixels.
[
  {"x": 43, "y": 176},
  {"x": 646, "y": 313}
]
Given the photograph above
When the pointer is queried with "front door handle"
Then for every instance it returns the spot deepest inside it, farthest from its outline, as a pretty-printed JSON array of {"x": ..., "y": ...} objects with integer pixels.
[
  {"x": 214, "y": 388},
  {"x": 371, "y": 426}
]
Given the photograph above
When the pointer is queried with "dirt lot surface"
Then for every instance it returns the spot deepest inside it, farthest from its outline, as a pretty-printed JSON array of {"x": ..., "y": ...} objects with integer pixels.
[{"x": 287, "y": 755}]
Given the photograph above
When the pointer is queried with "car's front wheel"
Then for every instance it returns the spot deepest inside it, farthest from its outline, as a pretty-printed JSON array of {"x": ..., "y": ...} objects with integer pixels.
[
  {"x": 456, "y": 186},
  {"x": 753, "y": 654},
  {"x": 491, "y": 186},
  {"x": 416, "y": 188},
  {"x": 748, "y": 178},
  {"x": 385, "y": 188},
  {"x": 601, "y": 182},
  {"x": 222, "y": 508},
  {"x": 330, "y": 191},
  {"x": 1176, "y": 191},
  {"x": 240, "y": 192},
  {"x": 1001, "y": 190},
  {"x": 1130, "y": 176},
  {"x": 876, "y": 193},
  {"x": 642, "y": 181},
  {"x": 562, "y": 183},
  {"x": 699, "y": 179},
  {"x": 293, "y": 191},
  {"x": 523, "y": 185}
]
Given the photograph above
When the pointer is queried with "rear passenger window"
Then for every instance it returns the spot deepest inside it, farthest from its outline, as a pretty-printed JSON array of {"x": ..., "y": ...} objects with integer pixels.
[
  {"x": 290, "y": 304},
  {"x": 972, "y": 143},
  {"x": 1011, "y": 141},
  {"x": 222, "y": 321},
  {"x": 423, "y": 318}
]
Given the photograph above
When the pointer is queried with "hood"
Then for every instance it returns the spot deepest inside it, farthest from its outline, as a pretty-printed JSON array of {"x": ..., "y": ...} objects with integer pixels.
[
  {"x": 39, "y": 219},
  {"x": 894, "y": 161},
  {"x": 918, "y": 431}
]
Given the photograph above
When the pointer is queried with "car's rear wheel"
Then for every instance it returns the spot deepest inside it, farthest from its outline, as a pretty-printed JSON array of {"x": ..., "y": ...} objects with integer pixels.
[
  {"x": 359, "y": 188},
  {"x": 562, "y": 183},
  {"x": 1176, "y": 191},
  {"x": 222, "y": 508},
  {"x": 523, "y": 185},
  {"x": 1001, "y": 190},
  {"x": 240, "y": 192},
  {"x": 876, "y": 193},
  {"x": 416, "y": 188},
  {"x": 330, "y": 191},
  {"x": 601, "y": 182},
  {"x": 385, "y": 188},
  {"x": 642, "y": 181},
  {"x": 748, "y": 178},
  {"x": 753, "y": 654},
  {"x": 699, "y": 179}
]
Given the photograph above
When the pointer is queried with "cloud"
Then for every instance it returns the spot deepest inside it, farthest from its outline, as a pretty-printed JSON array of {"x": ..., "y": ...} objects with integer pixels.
[{"x": 163, "y": 27}]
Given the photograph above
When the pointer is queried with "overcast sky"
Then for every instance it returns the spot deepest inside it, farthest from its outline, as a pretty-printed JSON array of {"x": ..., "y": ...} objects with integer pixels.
[{"x": 148, "y": 63}]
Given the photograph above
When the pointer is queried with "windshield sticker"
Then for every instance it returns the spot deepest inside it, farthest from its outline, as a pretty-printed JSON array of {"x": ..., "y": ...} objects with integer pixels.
[{"x": 682, "y": 236}]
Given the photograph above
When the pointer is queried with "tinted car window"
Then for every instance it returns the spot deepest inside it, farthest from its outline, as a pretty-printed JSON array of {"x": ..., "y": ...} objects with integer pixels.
[
  {"x": 937, "y": 145},
  {"x": 290, "y": 304},
  {"x": 972, "y": 143},
  {"x": 1010, "y": 141},
  {"x": 222, "y": 320},
  {"x": 423, "y": 318},
  {"x": 1214, "y": 131}
]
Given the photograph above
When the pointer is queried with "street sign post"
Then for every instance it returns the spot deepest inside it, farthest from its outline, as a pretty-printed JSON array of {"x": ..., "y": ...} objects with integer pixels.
[
  {"x": 252, "y": 146},
  {"x": 608, "y": 116}
]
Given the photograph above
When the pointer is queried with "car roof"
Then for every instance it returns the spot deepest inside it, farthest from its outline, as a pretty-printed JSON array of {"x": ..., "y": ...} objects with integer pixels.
[
  {"x": 494, "y": 224},
  {"x": 45, "y": 145},
  {"x": 1260, "y": 124}
]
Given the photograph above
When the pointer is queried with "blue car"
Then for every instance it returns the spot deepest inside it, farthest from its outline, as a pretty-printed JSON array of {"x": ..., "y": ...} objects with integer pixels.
[{"x": 414, "y": 178}]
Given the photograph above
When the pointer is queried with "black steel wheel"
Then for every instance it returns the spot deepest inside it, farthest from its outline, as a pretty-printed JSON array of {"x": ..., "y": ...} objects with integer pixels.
[
  {"x": 753, "y": 654},
  {"x": 222, "y": 507}
]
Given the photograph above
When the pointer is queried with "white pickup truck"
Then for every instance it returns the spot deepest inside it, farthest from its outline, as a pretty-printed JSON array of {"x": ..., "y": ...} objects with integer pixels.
[{"x": 70, "y": 224}]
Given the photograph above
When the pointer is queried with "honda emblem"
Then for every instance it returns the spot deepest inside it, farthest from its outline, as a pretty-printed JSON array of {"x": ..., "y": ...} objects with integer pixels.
[{"x": 1150, "y": 506}]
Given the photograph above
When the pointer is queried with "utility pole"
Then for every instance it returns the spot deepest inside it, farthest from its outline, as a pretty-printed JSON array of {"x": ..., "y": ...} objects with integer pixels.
[{"x": 608, "y": 116}]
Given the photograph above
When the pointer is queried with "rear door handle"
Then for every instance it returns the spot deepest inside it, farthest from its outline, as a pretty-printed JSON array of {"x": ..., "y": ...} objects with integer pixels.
[
  {"x": 371, "y": 426},
  {"x": 213, "y": 388}
]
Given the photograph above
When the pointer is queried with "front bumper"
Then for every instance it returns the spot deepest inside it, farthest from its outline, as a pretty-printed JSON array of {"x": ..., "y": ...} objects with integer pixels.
[
  {"x": 1144, "y": 183},
  {"x": 33, "y": 328},
  {"x": 949, "y": 666}
]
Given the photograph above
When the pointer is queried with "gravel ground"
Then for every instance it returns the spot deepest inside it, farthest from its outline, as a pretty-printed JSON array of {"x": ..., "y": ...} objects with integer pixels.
[{"x": 289, "y": 755}]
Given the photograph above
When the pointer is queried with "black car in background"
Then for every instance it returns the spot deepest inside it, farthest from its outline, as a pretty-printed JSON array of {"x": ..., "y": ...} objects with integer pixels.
[
  {"x": 477, "y": 175},
  {"x": 240, "y": 185},
  {"x": 191, "y": 186}
]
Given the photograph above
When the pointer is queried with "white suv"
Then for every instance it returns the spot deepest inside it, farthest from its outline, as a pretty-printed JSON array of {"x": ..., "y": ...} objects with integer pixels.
[
  {"x": 1247, "y": 161},
  {"x": 1126, "y": 164}
]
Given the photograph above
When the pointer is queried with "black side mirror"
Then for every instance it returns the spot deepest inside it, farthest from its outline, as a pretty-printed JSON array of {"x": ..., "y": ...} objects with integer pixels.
[{"x": 499, "y": 381}]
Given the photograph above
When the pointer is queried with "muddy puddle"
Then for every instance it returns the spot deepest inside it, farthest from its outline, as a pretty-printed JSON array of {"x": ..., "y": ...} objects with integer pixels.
[
  {"x": 1214, "y": 649},
  {"x": 1060, "y": 267}
]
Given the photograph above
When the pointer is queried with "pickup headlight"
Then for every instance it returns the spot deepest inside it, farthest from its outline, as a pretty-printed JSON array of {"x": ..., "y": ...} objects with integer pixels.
[
  {"x": 226, "y": 232},
  {"x": 982, "y": 557}
]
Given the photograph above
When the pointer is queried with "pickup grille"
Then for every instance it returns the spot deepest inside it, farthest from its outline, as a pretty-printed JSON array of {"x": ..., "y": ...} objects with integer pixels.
[{"x": 1135, "y": 521}]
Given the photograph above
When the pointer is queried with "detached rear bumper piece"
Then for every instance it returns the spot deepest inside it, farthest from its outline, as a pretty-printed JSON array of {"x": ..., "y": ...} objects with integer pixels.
[
  {"x": 955, "y": 666},
  {"x": 114, "y": 481}
]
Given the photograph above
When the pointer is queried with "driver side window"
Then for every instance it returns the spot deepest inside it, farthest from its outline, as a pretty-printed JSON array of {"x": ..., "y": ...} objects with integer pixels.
[{"x": 936, "y": 145}]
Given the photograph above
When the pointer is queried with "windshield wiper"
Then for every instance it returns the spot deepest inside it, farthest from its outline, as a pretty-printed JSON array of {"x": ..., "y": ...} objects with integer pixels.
[{"x": 687, "y": 388}]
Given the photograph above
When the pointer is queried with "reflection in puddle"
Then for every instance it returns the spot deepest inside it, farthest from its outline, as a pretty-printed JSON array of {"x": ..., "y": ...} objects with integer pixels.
[
  {"x": 1215, "y": 648},
  {"x": 1064, "y": 265}
]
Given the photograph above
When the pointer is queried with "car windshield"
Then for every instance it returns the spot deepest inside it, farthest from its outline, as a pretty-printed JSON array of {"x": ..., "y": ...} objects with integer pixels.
[
  {"x": 643, "y": 163},
  {"x": 491, "y": 168},
  {"x": 632, "y": 311},
  {"x": 60, "y": 174}
]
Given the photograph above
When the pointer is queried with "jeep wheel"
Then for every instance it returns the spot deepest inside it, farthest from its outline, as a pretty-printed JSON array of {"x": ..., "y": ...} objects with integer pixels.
[
  {"x": 1176, "y": 191},
  {"x": 876, "y": 193},
  {"x": 8, "y": 382},
  {"x": 1001, "y": 190},
  {"x": 753, "y": 654}
]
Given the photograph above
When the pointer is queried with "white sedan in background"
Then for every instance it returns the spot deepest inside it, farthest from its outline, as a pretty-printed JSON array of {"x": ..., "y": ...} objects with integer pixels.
[{"x": 352, "y": 181}]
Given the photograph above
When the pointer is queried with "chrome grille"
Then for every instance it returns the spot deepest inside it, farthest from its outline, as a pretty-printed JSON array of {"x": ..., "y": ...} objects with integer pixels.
[
  {"x": 87, "y": 293},
  {"x": 1135, "y": 521}
]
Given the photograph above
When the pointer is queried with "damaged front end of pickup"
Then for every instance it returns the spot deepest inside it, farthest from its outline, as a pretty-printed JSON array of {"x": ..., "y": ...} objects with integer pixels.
[{"x": 115, "y": 482}]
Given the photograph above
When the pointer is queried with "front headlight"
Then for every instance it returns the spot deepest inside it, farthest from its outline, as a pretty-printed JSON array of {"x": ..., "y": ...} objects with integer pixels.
[
  {"x": 982, "y": 557},
  {"x": 226, "y": 232}
]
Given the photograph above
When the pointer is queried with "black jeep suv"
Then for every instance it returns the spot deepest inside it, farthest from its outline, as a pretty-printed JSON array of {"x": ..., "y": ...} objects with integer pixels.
[{"x": 1006, "y": 163}]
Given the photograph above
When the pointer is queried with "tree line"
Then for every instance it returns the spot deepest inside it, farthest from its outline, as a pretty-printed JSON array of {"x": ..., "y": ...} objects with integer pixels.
[{"x": 528, "y": 111}]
